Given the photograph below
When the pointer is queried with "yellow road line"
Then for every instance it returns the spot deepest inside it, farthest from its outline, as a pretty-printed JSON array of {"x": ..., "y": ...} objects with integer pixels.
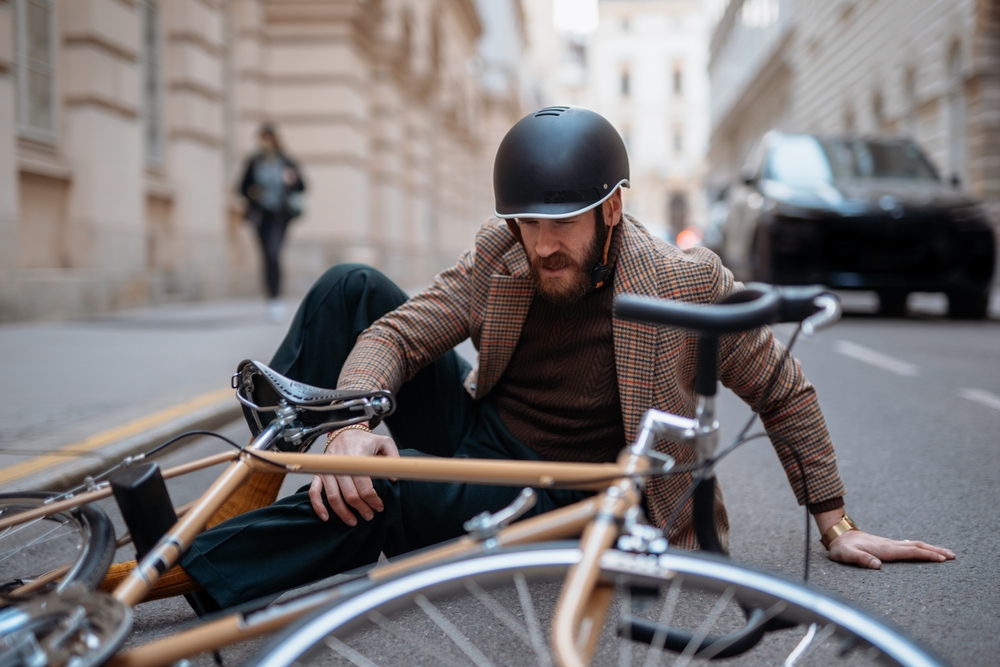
[{"x": 113, "y": 435}]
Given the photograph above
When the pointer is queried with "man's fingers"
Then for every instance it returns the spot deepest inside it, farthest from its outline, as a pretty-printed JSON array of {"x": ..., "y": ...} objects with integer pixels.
[
  {"x": 851, "y": 554},
  {"x": 337, "y": 504},
  {"x": 947, "y": 553},
  {"x": 913, "y": 551},
  {"x": 351, "y": 495},
  {"x": 368, "y": 494},
  {"x": 316, "y": 498}
]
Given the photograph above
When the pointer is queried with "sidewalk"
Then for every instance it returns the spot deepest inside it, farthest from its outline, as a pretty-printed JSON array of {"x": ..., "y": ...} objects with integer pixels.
[{"x": 75, "y": 396}]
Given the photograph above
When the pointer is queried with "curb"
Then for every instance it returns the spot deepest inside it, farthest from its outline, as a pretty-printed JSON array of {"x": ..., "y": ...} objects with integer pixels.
[{"x": 72, "y": 473}]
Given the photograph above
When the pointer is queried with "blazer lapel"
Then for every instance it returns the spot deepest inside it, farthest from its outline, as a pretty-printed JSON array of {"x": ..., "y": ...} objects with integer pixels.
[
  {"x": 507, "y": 306},
  {"x": 636, "y": 344}
]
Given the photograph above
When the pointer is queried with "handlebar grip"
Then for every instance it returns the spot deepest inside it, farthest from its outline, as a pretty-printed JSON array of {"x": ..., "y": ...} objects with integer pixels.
[
  {"x": 797, "y": 303},
  {"x": 755, "y": 308}
]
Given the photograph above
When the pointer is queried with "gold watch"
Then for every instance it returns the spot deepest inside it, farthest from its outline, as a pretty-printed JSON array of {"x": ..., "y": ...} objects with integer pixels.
[{"x": 836, "y": 530}]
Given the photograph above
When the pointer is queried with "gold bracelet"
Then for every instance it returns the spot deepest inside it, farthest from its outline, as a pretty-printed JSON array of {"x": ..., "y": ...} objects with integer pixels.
[
  {"x": 333, "y": 434},
  {"x": 836, "y": 530}
]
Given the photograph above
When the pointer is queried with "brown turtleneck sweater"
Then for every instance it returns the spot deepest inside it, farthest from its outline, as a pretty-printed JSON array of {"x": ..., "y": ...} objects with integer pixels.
[{"x": 559, "y": 394}]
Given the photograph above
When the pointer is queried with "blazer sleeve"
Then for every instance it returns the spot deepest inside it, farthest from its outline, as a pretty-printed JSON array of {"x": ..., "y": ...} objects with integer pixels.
[
  {"x": 397, "y": 346},
  {"x": 760, "y": 369}
]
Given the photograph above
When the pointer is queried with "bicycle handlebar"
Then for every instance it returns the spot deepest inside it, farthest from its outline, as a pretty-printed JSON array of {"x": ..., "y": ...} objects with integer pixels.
[{"x": 756, "y": 306}]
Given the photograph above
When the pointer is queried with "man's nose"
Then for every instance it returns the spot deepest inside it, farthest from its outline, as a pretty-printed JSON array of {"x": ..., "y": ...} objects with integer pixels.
[{"x": 548, "y": 242}]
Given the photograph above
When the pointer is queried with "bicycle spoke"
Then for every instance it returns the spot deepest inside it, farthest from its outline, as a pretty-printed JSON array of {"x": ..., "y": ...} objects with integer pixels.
[
  {"x": 413, "y": 640},
  {"x": 463, "y": 643},
  {"x": 655, "y": 653},
  {"x": 498, "y": 610},
  {"x": 534, "y": 627},
  {"x": 801, "y": 646},
  {"x": 38, "y": 540},
  {"x": 706, "y": 627},
  {"x": 348, "y": 653},
  {"x": 808, "y": 644}
]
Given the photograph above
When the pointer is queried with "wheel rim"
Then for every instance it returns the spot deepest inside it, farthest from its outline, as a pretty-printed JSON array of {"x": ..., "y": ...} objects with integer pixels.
[
  {"x": 33, "y": 548},
  {"x": 803, "y": 604}
]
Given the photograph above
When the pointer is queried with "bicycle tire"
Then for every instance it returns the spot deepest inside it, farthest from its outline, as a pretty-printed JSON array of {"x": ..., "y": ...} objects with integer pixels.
[
  {"x": 348, "y": 627},
  {"x": 82, "y": 539}
]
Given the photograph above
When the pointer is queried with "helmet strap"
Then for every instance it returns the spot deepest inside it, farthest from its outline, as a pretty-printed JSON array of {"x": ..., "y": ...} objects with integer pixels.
[
  {"x": 600, "y": 273},
  {"x": 515, "y": 229}
]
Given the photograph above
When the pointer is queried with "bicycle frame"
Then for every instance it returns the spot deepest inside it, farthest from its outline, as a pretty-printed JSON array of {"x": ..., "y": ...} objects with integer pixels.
[{"x": 582, "y": 604}]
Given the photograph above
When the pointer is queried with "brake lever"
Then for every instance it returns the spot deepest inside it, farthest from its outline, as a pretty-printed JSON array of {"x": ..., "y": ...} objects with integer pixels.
[{"x": 830, "y": 311}]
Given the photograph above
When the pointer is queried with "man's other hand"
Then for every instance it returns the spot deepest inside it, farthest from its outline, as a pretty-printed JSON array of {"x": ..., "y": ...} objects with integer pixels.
[
  {"x": 344, "y": 492},
  {"x": 861, "y": 548},
  {"x": 867, "y": 550}
]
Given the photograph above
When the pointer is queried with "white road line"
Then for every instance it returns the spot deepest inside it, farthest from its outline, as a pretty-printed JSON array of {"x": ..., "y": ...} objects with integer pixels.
[
  {"x": 855, "y": 351},
  {"x": 981, "y": 397}
]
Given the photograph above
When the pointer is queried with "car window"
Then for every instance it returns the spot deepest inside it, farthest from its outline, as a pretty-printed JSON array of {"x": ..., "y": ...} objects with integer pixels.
[
  {"x": 798, "y": 160},
  {"x": 860, "y": 158}
]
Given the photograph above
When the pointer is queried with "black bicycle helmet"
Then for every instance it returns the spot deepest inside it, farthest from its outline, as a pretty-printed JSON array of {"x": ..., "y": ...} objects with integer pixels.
[{"x": 558, "y": 162}]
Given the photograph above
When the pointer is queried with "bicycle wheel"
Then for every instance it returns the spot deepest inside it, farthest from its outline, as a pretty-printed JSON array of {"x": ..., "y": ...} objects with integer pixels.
[
  {"x": 496, "y": 610},
  {"x": 75, "y": 546}
]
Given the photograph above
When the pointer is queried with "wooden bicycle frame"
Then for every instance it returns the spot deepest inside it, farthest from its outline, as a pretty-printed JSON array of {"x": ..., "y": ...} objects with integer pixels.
[{"x": 597, "y": 518}]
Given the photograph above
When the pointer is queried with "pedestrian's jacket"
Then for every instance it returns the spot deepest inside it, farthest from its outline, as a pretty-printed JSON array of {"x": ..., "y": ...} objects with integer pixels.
[
  {"x": 486, "y": 297},
  {"x": 253, "y": 211}
]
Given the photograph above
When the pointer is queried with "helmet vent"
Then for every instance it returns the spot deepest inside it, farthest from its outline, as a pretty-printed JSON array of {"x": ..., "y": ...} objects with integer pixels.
[
  {"x": 572, "y": 196},
  {"x": 551, "y": 111}
]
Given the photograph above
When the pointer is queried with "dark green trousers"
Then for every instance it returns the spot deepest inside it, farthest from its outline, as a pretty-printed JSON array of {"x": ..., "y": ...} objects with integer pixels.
[{"x": 286, "y": 545}]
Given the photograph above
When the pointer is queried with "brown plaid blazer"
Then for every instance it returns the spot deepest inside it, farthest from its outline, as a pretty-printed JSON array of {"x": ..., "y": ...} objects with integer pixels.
[{"x": 486, "y": 297}]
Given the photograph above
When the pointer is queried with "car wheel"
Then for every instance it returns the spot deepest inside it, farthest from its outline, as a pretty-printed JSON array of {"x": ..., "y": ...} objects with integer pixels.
[
  {"x": 892, "y": 303},
  {"x": 761, "y": 265},
  {"x": 968, "y": 304}
]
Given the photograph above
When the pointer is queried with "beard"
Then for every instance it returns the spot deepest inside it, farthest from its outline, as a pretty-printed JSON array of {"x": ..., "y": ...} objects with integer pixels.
[{"x": 570, "y": 288}]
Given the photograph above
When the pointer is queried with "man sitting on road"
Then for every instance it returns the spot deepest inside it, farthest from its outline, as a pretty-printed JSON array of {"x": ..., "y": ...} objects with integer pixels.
[{"x": 559, "y": 377}]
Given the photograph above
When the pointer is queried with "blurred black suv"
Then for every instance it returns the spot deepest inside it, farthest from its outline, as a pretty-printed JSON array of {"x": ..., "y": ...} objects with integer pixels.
[{"x": 858, "y": 214}]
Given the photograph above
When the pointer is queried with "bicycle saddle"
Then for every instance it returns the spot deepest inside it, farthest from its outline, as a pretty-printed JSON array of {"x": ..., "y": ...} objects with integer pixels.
[{"x": 263, "y": 391}]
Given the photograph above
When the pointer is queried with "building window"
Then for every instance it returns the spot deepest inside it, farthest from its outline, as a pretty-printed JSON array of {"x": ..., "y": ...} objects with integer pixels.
[
  {"x": 678, "y": 80},
  {"x": 152, "y": 84},
  {"x": 678, "y": 139},
  {"x": 35, "y": 69},
  {"x": 626, "y": 81}
]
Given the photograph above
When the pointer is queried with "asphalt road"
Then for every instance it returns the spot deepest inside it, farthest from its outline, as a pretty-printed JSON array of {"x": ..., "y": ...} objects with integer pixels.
[{"x": 914, "y": 409}]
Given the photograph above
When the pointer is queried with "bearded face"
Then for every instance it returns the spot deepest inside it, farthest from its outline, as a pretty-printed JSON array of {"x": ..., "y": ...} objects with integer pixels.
[{"x": 562, "y": 254}]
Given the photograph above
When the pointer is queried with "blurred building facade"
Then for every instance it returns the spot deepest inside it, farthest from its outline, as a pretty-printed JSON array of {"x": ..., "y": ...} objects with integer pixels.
[
  {"x": 124, "y": 126},
  {"x": 927, "y": 69},
  {"x": 644, "y": 69},
  {"x": 648, "y": 76}
]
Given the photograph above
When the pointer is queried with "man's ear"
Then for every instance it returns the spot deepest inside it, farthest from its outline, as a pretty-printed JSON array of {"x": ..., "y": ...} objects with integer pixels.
[{"x": 612, "y": 209}]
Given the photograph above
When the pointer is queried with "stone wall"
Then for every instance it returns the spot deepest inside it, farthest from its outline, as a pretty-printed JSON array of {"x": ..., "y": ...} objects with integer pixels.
[{"x": 126, "y": 194}]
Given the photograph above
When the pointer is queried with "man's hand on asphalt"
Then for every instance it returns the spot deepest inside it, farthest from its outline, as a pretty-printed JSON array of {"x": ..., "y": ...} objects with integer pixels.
[
  {"x": 345, "y": 491},
  {"x": 867, "y": 550}
]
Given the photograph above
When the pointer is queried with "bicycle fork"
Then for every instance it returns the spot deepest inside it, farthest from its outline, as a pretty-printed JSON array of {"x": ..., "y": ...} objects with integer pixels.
[{"x": 584, "y": 600}]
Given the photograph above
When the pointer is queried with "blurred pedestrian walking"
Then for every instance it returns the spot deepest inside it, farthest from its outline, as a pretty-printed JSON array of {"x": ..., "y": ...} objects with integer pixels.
[{"x": 273, "y": 187}]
